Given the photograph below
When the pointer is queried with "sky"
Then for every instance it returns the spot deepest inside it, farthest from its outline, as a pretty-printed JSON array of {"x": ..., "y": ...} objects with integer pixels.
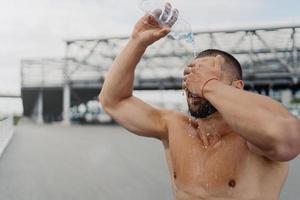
[{"x": 37, "y": 28}]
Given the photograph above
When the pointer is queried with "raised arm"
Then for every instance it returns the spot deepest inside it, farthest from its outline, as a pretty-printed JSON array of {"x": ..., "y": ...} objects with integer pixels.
[
  {"x": 116, "y": 94},
  {"x": 267, "y": 126}
]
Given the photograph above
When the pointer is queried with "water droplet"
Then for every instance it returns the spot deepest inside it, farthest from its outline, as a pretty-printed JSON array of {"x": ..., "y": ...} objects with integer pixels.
[
  {"x": 182, "y": 91},
  {"x": 191, "y": 130},
  {"x": 194, "y": 47}
]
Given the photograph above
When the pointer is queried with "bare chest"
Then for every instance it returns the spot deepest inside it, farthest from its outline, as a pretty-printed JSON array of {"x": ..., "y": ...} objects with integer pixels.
[{"x": 213, "y": 168}]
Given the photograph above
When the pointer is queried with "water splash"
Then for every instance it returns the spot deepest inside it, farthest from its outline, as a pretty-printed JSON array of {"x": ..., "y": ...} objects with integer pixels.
[{"x": 190, "y": 38}]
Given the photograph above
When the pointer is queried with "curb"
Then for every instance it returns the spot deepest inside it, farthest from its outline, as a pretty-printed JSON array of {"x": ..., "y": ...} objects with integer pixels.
[
  {"x": 6, "y": 133},
  {"x": 4, "y": 143}
]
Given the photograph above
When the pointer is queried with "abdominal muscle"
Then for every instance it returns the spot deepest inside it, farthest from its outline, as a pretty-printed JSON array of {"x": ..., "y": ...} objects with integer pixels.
[{"x": 227, "y": 170}]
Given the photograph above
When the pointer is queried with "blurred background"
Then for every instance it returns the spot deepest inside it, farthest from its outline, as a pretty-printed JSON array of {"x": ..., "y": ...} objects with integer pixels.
[{"x": 54, "y": 56}]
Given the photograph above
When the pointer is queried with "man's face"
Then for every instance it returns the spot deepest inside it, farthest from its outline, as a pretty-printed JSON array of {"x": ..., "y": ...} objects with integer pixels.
[{"x": 200, "y": 107}]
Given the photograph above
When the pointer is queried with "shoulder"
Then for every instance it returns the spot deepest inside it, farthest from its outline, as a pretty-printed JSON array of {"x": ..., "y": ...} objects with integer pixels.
[
  {"x": 174, "y": 120},
  {"x": 171, "y": 116}
]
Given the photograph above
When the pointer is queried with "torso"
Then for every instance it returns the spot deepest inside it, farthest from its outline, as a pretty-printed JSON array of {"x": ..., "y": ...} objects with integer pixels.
[{"x": 223, "y": 170}]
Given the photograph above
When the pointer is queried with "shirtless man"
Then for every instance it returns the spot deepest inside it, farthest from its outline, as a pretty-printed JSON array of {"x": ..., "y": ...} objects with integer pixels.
[{"x": 237, "y": 146}]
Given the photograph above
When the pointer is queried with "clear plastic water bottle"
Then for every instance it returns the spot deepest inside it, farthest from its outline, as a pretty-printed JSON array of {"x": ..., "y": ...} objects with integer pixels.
[{"x": 165, "y": 14}]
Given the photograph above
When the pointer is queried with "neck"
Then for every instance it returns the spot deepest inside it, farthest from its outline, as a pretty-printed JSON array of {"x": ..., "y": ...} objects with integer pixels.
[{"x": 211, "y": 129}]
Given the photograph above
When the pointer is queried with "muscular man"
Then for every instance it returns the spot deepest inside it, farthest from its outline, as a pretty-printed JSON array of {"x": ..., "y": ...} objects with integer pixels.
[{"x": 239, "y": 142}]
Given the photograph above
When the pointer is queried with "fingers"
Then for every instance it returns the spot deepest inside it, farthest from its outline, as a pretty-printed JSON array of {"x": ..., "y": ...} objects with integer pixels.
[
  {"x": 156, "y": 13},
  {"x": 219, "y": 61},
  {"x": 187, "y": 73},
  {"x": 167, "y": 12},
  {"x": 191, "y": 65},
  {"x": 169, "y": 16},
  {"x": 163, "y": 32},
  {"x": 152, "y": 21},
  {"x": 187, "y": 70},
  {"x": 173, "y": 18},
  {"x": 184, "y": 82},
  {"x": 185, "y": 78}
]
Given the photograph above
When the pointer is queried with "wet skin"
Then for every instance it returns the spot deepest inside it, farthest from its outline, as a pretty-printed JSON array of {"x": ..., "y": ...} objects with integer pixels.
[
  {"x": 206, "y": 158},
  {"x": 218, "y": 165}
]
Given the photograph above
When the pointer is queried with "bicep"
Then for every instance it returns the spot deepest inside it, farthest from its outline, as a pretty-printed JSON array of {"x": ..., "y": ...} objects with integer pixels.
[{"x": 140, "y": 118}]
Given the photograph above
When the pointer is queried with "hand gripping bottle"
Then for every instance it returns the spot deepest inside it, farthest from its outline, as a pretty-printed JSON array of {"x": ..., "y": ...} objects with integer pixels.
[{"x": 168, "y": 16}]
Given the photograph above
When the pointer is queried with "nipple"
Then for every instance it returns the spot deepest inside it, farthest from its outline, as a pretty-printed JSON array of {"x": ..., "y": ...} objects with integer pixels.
[{"x": 231, "y": 183}]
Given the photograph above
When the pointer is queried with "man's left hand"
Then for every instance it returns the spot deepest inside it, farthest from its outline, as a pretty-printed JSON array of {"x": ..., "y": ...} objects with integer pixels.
[{"x": 197, "y": 74}]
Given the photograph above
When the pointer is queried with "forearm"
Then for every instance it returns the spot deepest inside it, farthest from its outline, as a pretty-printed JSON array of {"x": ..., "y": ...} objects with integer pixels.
[
  {"x": 119, "y": 81},
  {"x": 257, "y": 118}
]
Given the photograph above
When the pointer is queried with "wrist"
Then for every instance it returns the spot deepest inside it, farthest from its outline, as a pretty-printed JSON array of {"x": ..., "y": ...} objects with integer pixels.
[
  {"x": 138, "y": 43},
  {"x": 209, "y": 87}
]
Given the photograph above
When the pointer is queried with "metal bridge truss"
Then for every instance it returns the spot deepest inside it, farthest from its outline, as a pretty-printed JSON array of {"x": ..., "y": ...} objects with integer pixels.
[{"x": 269, "y": 57}]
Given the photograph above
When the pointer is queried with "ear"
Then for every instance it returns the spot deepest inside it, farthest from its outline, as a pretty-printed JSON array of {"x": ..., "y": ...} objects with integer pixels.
[{"x": 239, "y": 84}]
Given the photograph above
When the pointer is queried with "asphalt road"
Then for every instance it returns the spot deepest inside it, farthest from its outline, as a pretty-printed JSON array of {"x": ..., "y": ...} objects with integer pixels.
[{"x": 53, "y": 162}]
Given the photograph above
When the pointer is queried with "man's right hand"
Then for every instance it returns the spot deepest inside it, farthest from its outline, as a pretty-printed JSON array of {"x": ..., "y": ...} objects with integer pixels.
[{"x": 147, "y": 30}]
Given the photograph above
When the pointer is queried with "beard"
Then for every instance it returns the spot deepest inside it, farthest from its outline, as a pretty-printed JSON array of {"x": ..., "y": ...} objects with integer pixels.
[{"x": 201, "y": 109}]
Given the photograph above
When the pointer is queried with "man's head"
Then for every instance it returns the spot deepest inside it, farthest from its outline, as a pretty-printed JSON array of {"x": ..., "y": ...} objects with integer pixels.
[{"x": 231, "y": 74}]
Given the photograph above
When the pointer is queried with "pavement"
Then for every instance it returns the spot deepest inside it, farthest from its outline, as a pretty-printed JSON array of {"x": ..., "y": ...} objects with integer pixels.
[
  {"x": 56, "y": 162},
  {"x": 53, "y": 162}
]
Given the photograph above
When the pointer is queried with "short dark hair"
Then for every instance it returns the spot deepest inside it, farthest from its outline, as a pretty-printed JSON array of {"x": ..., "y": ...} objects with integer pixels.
[{"x": 229, "y": 59}]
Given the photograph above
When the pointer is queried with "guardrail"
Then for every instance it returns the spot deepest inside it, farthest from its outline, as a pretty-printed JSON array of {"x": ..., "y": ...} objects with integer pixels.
[{"x": 6, "y": 132}]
